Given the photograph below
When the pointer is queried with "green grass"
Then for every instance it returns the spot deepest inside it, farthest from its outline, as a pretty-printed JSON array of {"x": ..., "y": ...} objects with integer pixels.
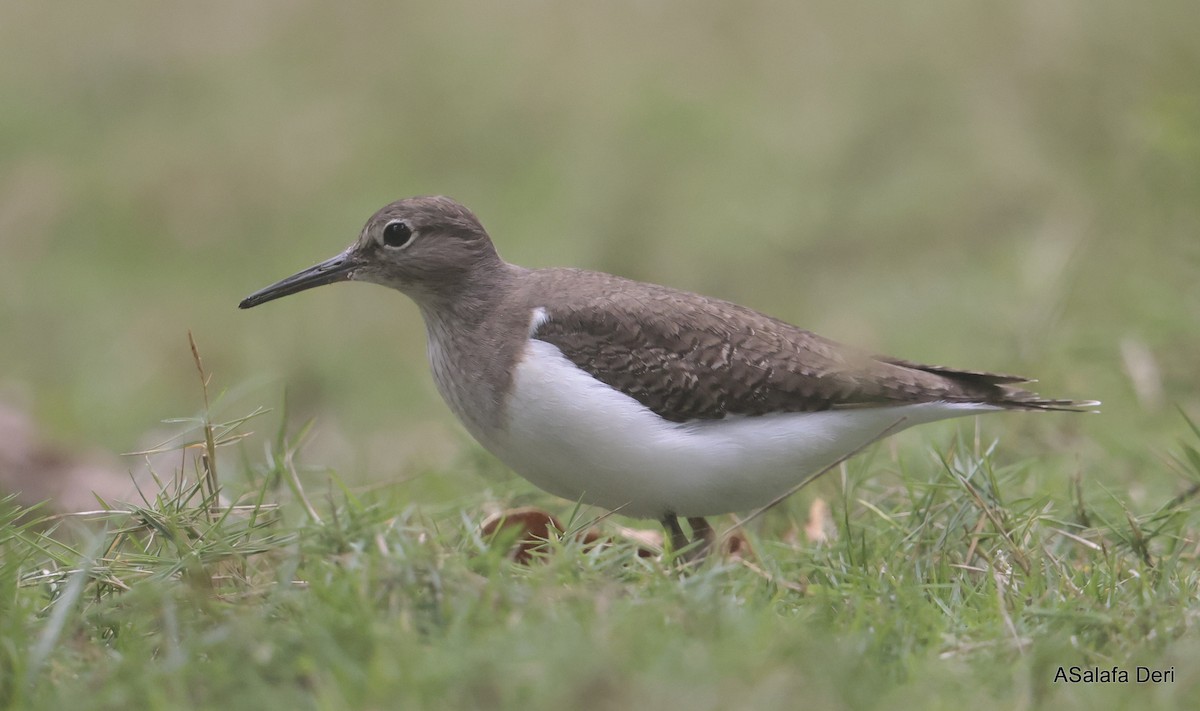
[{"x": 949, "y": 582}]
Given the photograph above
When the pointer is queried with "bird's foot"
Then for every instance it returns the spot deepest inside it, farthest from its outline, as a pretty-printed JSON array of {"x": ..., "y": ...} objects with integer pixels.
[{"x": 690, "y": 551}]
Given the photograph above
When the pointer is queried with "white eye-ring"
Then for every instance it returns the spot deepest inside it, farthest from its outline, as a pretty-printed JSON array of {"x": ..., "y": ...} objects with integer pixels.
[{"x": 396, "y": 234}]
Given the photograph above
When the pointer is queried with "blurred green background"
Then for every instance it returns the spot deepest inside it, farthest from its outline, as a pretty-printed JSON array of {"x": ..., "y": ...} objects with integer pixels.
[{"x": 1011, "y": 186}]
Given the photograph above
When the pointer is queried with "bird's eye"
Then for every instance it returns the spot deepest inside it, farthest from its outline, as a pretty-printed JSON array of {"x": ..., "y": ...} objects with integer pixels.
[{"x": 397, "y": 234}]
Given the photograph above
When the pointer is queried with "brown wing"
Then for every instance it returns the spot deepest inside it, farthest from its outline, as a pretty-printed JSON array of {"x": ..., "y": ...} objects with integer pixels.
[{"x": 688, "y": 357}]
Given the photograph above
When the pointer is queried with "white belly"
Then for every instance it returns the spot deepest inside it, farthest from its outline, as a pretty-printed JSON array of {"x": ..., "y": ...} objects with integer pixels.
[{"x": 580, "y": 439}]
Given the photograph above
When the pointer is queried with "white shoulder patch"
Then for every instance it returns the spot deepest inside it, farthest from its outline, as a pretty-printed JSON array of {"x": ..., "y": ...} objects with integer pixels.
[{"x": 539, "y": 317}]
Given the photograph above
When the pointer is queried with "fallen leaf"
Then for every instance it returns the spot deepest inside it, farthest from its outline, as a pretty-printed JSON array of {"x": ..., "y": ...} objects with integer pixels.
[{"x": 819, "y": 528}]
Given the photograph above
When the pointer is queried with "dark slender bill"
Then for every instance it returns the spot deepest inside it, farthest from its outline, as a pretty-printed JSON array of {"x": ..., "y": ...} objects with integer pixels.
[{"x": 339, "y": 268}]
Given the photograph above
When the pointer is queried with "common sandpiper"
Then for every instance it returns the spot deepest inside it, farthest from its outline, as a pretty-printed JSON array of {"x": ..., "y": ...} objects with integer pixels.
[{"x": 638, "y": 398}]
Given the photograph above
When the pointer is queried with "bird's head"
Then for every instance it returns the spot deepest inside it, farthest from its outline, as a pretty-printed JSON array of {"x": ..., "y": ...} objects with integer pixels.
[{"x": 425, "y": 247}]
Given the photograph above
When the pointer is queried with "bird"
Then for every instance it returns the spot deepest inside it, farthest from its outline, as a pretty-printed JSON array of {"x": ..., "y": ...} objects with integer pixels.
[{"x": 634, "y": 397}]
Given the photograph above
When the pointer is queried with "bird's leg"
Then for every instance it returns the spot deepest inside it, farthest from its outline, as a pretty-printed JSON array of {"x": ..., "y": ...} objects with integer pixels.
[
  {"x": 702, "y": 531},
  {"x": 678, "y": 540},
  {"x": 703, "y": 538}
]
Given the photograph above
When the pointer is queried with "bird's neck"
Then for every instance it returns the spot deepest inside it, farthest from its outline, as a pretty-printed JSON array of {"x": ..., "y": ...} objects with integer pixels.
[
  {"x": 471, "y": 301},
  {"x": 474, "y": 340}
]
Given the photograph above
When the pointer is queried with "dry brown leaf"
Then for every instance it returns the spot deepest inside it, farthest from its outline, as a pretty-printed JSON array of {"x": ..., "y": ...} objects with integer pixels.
[
  {"x": 534, "y": 527},
  {"x": 819, "y": 528},
  {"x": 649, "y": 543}
]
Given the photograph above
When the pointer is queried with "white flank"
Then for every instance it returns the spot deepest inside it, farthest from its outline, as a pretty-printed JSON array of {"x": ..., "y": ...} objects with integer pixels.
[{"x": 576, "y": 437}]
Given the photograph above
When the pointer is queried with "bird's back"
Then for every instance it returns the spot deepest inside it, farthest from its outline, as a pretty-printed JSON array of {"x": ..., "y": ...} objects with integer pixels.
[{"x": 690, "y": 357}]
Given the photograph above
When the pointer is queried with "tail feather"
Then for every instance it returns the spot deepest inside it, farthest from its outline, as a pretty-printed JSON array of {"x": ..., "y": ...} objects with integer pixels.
[
  {"x": 958, "y": 374},
  {"x": 999, "y": 389},
  {"x": 1018, "y": 399}
]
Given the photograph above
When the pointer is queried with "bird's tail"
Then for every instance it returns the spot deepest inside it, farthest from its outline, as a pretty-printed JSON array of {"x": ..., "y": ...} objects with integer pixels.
[{"x": 1001, "y": 389}]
